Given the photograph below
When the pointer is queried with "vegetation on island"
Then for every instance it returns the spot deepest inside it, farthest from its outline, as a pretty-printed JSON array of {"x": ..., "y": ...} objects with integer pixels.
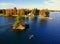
[{"x": 22, "y": 12}]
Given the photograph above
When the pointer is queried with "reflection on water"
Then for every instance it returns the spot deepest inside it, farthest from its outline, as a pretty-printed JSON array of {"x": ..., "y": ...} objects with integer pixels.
[
  {"x": 32, "y": 18},
  {"x": 44, "y": 31},
  {"x": 43, "y": 21}
]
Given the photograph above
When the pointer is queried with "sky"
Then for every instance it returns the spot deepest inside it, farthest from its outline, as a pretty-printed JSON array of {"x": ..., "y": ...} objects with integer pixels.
[{"x": 30, "y": 4}]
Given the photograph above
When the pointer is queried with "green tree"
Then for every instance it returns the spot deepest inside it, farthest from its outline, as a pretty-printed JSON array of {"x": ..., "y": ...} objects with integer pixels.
[{"x": 4, "y": 11}]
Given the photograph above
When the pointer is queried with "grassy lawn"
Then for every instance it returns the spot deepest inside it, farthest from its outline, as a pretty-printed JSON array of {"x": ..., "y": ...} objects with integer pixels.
[{"x": 1, "y": 14}]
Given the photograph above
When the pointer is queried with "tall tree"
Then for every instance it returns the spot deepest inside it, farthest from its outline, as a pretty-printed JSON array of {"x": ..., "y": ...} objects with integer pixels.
[{"x": 15, "y": 11}]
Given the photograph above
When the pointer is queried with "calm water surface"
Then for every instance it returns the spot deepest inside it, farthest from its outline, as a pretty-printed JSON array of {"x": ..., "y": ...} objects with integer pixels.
[{"x": 45, "y": 32}]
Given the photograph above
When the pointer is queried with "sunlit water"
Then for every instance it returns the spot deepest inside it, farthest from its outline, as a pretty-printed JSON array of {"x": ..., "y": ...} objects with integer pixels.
[{"x": 45, "y": 32}]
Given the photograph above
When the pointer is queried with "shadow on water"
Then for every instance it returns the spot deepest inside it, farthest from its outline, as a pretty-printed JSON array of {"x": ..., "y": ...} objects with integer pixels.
[
  {"x": 42, "y": 21},
  {"x": 19, "y": 36},
  {"x": 11, "y": 17},
  {"x": 19, "y": 31},
  {"x": 31, "y": 18},
  {"x": 13, "y": 36},
  {"x": 43, "y": 24}
]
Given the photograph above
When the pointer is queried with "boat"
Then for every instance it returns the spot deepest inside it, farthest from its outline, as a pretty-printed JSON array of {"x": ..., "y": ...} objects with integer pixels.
[
  {"x": 31, "y": 36},
  {"x": 31, "y": 15}
]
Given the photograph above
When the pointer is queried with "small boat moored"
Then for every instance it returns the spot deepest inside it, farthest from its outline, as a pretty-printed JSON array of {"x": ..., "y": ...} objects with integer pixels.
[{"x": 31, "y": 36}]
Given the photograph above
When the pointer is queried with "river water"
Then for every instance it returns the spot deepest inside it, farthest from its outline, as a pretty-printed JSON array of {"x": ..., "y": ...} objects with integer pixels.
[{"x": 45, "y": 32}]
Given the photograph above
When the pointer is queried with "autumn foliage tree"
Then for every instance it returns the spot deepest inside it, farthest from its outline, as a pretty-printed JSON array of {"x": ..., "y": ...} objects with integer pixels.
[
  {"x": 44, "y": 13},
  {"x": 8, "y": 12}
]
